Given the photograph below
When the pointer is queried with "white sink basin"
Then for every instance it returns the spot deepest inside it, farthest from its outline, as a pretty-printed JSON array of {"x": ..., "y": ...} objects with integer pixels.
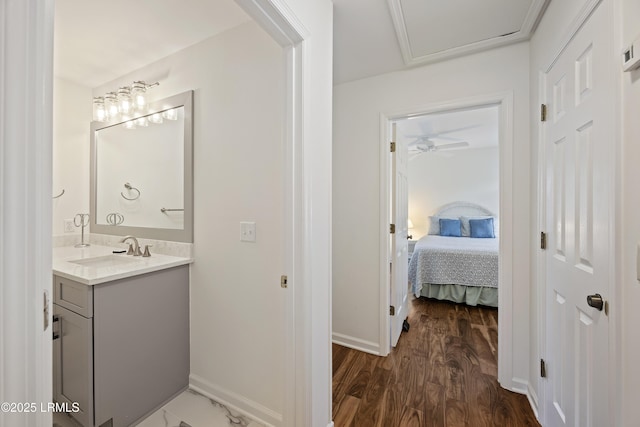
[{"x": 105, "y": 261}]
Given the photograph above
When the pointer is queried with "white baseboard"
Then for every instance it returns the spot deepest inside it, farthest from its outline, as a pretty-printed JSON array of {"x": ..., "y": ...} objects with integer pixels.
[
  {"x": 521, "y": 386},
  {"x": 236, "y": 402},
  {"x": 518, "y": 385},
  {"x": 533, "y": 401},
  {"x": 356, "y": 343}
]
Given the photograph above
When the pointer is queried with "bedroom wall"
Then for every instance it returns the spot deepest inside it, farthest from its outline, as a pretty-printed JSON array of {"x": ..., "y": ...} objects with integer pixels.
[
  {"x": 71, "y": 117},
  {"x": 356, "y": 178},
  {"x": 436, "y": 179},
  {"x": 237, "y": 305}
]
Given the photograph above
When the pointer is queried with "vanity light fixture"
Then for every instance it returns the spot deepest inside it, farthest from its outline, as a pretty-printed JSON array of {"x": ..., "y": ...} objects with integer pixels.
[
  {"x": 156, "y": 118},
  {"x": 127, "y": 101}
]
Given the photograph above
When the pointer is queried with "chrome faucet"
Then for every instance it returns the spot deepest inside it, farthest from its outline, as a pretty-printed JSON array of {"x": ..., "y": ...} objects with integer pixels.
[{"x": 136, "y": 245}]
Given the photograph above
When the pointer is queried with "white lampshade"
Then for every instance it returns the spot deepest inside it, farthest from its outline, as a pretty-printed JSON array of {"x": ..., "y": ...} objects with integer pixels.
[{"x": 409, "y": 223}]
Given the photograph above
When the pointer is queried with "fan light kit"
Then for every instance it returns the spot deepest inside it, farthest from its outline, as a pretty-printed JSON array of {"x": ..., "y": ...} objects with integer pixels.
[{"x": 123, "y": 103}]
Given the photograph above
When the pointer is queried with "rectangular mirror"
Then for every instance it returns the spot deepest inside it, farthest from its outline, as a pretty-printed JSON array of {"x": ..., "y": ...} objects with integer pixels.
[{"x": 142, "y": 173}]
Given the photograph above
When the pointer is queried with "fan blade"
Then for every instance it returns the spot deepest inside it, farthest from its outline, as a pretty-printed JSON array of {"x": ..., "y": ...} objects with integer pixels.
[{"x": 452, "y": 145}]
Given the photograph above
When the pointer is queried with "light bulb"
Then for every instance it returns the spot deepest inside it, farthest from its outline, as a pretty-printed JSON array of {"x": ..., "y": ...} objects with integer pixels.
[
  {"x": 111, "y": 105},
  {"x": 99, "y": 111},
  {"x": 125, "y": 106},
  {"x": 139, "y": 95}
]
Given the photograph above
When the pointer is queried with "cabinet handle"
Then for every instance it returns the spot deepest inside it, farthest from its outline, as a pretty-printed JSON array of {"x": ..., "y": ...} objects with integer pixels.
[{"x": 56, "y": 335}]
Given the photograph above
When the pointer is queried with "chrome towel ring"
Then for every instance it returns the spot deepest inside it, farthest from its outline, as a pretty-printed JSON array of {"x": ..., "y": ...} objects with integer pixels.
[
  {"x": 130, "y": 188},
  {"x": 115, "y": 218}
]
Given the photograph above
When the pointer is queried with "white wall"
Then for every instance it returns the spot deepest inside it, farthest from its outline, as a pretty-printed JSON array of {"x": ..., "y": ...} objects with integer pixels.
[
  {"x": 630, "y": 230},
  {"x": 435, "y": 179},
  {"x": 237, "y": 305},
  {"x": 71, "y": 119},
  {"x": 356, "y": 177}
]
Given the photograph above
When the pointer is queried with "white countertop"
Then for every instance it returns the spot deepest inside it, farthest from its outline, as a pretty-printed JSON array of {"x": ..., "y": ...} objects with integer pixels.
[{"x": 64, "y": 267}]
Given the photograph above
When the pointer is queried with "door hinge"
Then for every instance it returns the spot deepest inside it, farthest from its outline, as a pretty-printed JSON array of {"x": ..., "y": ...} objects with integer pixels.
[
  {"x": 543, "y": 369},
  {"x": 392, "y": 310},
  {"x": 283, "y": 281},
  {"x": 393, "y": 147},
  {"x": 543, "y": 240},
  {"x": 543, "y": 112},
  {"x": 392, "y": 228},
  {"x": 45, "y": 311}
]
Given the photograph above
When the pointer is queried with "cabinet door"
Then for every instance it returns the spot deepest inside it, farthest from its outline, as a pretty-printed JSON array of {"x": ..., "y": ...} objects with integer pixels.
[{"x": 73, "y": 362}]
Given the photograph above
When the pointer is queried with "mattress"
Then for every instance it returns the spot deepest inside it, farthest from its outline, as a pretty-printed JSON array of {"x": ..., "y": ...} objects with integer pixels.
[{"x": 463, "y": 261}]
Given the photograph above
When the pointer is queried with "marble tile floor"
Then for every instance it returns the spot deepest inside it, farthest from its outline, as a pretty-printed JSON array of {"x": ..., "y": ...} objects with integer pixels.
[{"x": 188, "y": 409}]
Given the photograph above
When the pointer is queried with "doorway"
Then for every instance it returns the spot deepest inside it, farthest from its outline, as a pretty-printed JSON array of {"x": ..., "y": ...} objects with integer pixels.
[{"x": 504, "y": 104}]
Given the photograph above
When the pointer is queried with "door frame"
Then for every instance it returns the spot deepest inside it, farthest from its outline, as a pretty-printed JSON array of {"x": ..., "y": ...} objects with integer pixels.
[
  {"x": 504, "y": 101},
  {"x": 25, "y": 208},
  {"x": 615, "y": 209}
]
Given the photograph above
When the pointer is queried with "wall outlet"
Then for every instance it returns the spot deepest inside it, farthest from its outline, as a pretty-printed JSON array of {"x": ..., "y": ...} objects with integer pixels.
[
  {"x": 247, "y": 231},
  {"x": 69, "y": 227}
]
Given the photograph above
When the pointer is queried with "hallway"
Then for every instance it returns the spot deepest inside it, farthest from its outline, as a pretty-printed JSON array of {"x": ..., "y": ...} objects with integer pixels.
[{"x": 442, "y": 373}]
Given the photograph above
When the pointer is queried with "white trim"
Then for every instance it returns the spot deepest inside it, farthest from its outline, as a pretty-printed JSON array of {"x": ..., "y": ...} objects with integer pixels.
[
  {"x": 234, "y": 401},
  {"x": 533, "y": 400},
  {"x": 524, "y": 34},
  {"x": 540, "y": 254},
  {"x": 277, "y": 19},
  {"x": 505, "y": 294},
  {"x": 356, "y": 343},
  {"x": 26, "y": 91}
]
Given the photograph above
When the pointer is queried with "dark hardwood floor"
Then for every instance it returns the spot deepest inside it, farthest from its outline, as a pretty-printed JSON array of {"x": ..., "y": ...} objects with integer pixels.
[{"x": 442, "y": 373}]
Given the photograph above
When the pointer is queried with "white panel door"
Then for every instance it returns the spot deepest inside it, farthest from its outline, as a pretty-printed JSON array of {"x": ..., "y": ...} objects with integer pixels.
[
  {"x": 579, "y": 148},
  {"x": 399, "y": 240}
]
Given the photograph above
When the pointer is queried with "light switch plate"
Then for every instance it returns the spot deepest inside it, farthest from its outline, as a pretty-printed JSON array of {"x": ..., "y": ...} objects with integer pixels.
[{"x": 247, "y": 231}]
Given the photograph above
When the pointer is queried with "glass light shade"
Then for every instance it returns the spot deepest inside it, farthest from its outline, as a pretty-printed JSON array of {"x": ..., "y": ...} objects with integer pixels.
[
  {"x": 139, "y": 95},
  {"x": 156, "y": 118},
  {"x": 99, "y": 111},
  {"x": 125, "y": 105},
  {"x": 170, "y": 114},
  {"x": 111, "y": 105}
]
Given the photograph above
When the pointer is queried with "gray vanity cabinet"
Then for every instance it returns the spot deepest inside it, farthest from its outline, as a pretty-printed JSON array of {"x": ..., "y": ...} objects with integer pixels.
[{"x": 127, "y": 352}]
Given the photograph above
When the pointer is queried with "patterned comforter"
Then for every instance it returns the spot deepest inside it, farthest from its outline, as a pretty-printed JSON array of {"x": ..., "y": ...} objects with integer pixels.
[{"x": 454, "y": 261}]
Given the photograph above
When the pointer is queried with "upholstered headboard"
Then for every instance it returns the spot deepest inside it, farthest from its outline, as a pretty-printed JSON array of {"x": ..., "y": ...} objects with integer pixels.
[{"x": 457, "y": 209}]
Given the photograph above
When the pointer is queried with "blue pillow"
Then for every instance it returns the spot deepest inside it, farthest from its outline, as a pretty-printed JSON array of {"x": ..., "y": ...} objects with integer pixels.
[
  {"x": 450, "y": 227},
  {"x": 482, "y": 228}
]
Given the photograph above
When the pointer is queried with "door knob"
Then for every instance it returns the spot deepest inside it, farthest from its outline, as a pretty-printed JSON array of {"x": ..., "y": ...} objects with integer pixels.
[{"x": 595, "y": 301}]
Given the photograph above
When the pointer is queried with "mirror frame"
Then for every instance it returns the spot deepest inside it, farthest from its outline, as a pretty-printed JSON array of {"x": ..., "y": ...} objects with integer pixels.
[{"x": 185, "y": 100}]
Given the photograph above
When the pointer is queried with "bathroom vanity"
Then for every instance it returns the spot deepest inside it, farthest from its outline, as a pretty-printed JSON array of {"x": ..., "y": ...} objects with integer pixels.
[{"x": 121, "y": 333}]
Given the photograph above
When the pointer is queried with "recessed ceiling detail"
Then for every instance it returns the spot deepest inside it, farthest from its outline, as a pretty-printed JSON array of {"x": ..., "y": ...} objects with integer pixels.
[{"x": 434, "y": 30}]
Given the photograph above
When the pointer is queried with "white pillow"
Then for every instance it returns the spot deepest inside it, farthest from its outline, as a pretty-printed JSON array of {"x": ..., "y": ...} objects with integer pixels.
[
  {"x": 434, "y": 225},
  {"x": 466, "y": 230}
]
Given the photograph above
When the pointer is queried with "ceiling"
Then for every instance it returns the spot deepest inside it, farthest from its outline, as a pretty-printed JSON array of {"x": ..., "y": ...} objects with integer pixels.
[
  {"x": 372, "y": 37},
  {"x": 478, "y": 127},
  {"x": 98, "y": 41}
]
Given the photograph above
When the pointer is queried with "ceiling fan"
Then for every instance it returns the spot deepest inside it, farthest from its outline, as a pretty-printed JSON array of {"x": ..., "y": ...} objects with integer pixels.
[{"x": 427, "y": 145}]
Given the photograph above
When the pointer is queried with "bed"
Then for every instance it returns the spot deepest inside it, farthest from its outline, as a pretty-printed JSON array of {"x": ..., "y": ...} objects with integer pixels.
[{"x": 460, "y": 269}]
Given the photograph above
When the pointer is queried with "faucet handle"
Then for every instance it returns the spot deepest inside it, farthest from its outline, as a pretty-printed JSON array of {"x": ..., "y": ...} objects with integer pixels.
[
  {"x": 130, "y": 251},
  {"x": 146, "y": 251}
]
